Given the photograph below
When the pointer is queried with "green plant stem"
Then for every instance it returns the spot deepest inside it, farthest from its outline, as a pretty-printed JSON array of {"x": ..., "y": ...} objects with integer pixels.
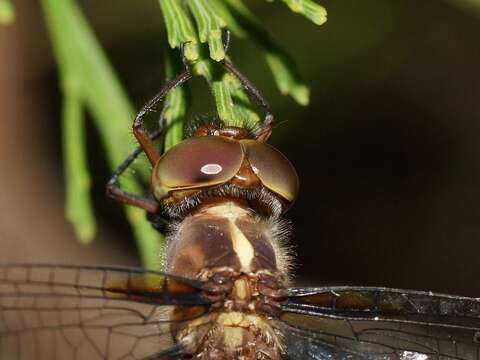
[{"x": 226, "y": 89}]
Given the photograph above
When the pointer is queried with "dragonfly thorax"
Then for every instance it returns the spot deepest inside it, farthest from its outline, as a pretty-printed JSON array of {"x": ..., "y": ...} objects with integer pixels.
[
  {"x": 226, "y": 235},
  {"x": 238, "y": 256}
]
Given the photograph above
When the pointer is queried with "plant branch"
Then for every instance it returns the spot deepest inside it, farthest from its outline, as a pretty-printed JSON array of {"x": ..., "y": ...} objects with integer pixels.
[{"x": 213, "y": 15}]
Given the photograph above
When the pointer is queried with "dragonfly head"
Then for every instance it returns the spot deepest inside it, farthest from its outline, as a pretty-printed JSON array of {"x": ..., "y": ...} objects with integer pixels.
[{"x": 225, "y": 163}]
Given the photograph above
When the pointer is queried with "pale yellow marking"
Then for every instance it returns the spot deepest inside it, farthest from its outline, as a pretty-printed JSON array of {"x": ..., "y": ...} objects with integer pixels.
[
  {"x": 233, "y": 318},
  {"x": 233, "y": 337},
  {"x": 228, "y": 210},
  {"x": 248, "y": 321},
  {"x": 241, "y": 289},
  {"x": 242, "y": 247}
]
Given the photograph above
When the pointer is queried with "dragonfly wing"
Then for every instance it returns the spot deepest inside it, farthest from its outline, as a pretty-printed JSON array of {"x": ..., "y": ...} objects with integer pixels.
[
  {"x": 68, "y": 312},
  {"x": 308, "y": 345},
  {"x": 380, "y": 323}
]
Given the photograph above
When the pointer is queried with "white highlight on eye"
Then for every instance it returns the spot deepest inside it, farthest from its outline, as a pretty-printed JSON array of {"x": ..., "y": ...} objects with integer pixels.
[
  {"x": 211, "y": 169},
  {"x": 412, "y": 355}
]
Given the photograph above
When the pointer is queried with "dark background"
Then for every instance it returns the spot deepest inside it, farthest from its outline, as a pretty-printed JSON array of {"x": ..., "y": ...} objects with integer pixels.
[{"x": 388, "y": 152}]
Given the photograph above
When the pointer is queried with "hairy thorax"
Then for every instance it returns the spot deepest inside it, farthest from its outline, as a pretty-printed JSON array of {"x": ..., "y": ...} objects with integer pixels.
[{"x": 240, "y": 258}]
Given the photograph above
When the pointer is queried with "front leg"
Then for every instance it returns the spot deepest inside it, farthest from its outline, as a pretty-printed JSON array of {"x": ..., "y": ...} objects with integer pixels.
[
  {"x": 140, "y": 133},
  {"x": 116, "y": 192}
]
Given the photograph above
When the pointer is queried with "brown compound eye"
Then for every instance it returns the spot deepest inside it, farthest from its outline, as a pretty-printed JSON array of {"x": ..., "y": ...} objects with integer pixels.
[
  {"x": 273, "y": 169},
  {"x": 195, "y": 163}
]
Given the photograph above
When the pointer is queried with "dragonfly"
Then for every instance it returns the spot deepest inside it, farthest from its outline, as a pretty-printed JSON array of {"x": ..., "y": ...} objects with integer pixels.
[{"x": 227, "y": 291}]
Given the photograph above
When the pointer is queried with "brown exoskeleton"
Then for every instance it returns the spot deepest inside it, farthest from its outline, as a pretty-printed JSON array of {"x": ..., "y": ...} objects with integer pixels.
[{"x": 223, "y": 191}]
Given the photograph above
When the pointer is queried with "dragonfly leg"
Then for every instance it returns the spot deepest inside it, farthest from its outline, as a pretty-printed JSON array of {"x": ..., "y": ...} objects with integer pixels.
[
  {"x": 125, "y": 197},
  {"x": 116, "y": 192},
  {"x": 226, "y": 40},
  {"x": 140, "y": 133},
  {"x": 252, "y": 92}
]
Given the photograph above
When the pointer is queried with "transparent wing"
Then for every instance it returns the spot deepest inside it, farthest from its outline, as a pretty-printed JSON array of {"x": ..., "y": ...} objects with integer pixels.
[
  {"x": 380, "y": 323},
  {"x": 69, "y": 312}
]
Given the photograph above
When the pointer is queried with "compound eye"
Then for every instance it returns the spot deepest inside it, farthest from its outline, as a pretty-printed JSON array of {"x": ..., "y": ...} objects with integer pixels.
[
  {"x": 273, "y": 169},
  {"x": 196, "y": 163}
]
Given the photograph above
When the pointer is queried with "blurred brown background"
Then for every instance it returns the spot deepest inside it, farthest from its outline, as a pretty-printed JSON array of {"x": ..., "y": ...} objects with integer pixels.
[{"x": 388, "y": 152}]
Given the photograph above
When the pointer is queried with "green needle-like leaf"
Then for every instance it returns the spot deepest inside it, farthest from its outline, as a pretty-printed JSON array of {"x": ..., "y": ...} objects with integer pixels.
[
  {"x": 7, "y": 12},
  {"x": 308, "y": 8},
  {"x": 210, "y": 26},
  {"x": 83, "y": 63},
  {"x": 180, "y": 28},
  {"x": 227, "y": 13},
  {"x": 79, "y": 208},
  {"x": 286, "y": 75},
  {"x": 224, "y": 103}
]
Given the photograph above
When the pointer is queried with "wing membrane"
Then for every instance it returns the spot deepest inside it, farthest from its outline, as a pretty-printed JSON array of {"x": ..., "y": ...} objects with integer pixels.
[
  {"x": 68, "y": 312},
  {"x": 380, "y": 323}
]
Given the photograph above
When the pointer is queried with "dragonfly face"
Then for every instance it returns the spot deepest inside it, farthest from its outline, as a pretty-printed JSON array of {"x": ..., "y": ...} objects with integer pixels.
[{"x": 226, "y": 292}]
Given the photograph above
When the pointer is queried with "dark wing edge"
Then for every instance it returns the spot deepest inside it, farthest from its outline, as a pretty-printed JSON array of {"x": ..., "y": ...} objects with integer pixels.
[
  {"x": 77, "y": 312},
  {"x": 105, "y": 281},
  {"x": 343, "y": 322}
]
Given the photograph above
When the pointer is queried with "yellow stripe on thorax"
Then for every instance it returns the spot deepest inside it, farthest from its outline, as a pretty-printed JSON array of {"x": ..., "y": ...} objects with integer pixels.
[{"x": 240, "y": 243}]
